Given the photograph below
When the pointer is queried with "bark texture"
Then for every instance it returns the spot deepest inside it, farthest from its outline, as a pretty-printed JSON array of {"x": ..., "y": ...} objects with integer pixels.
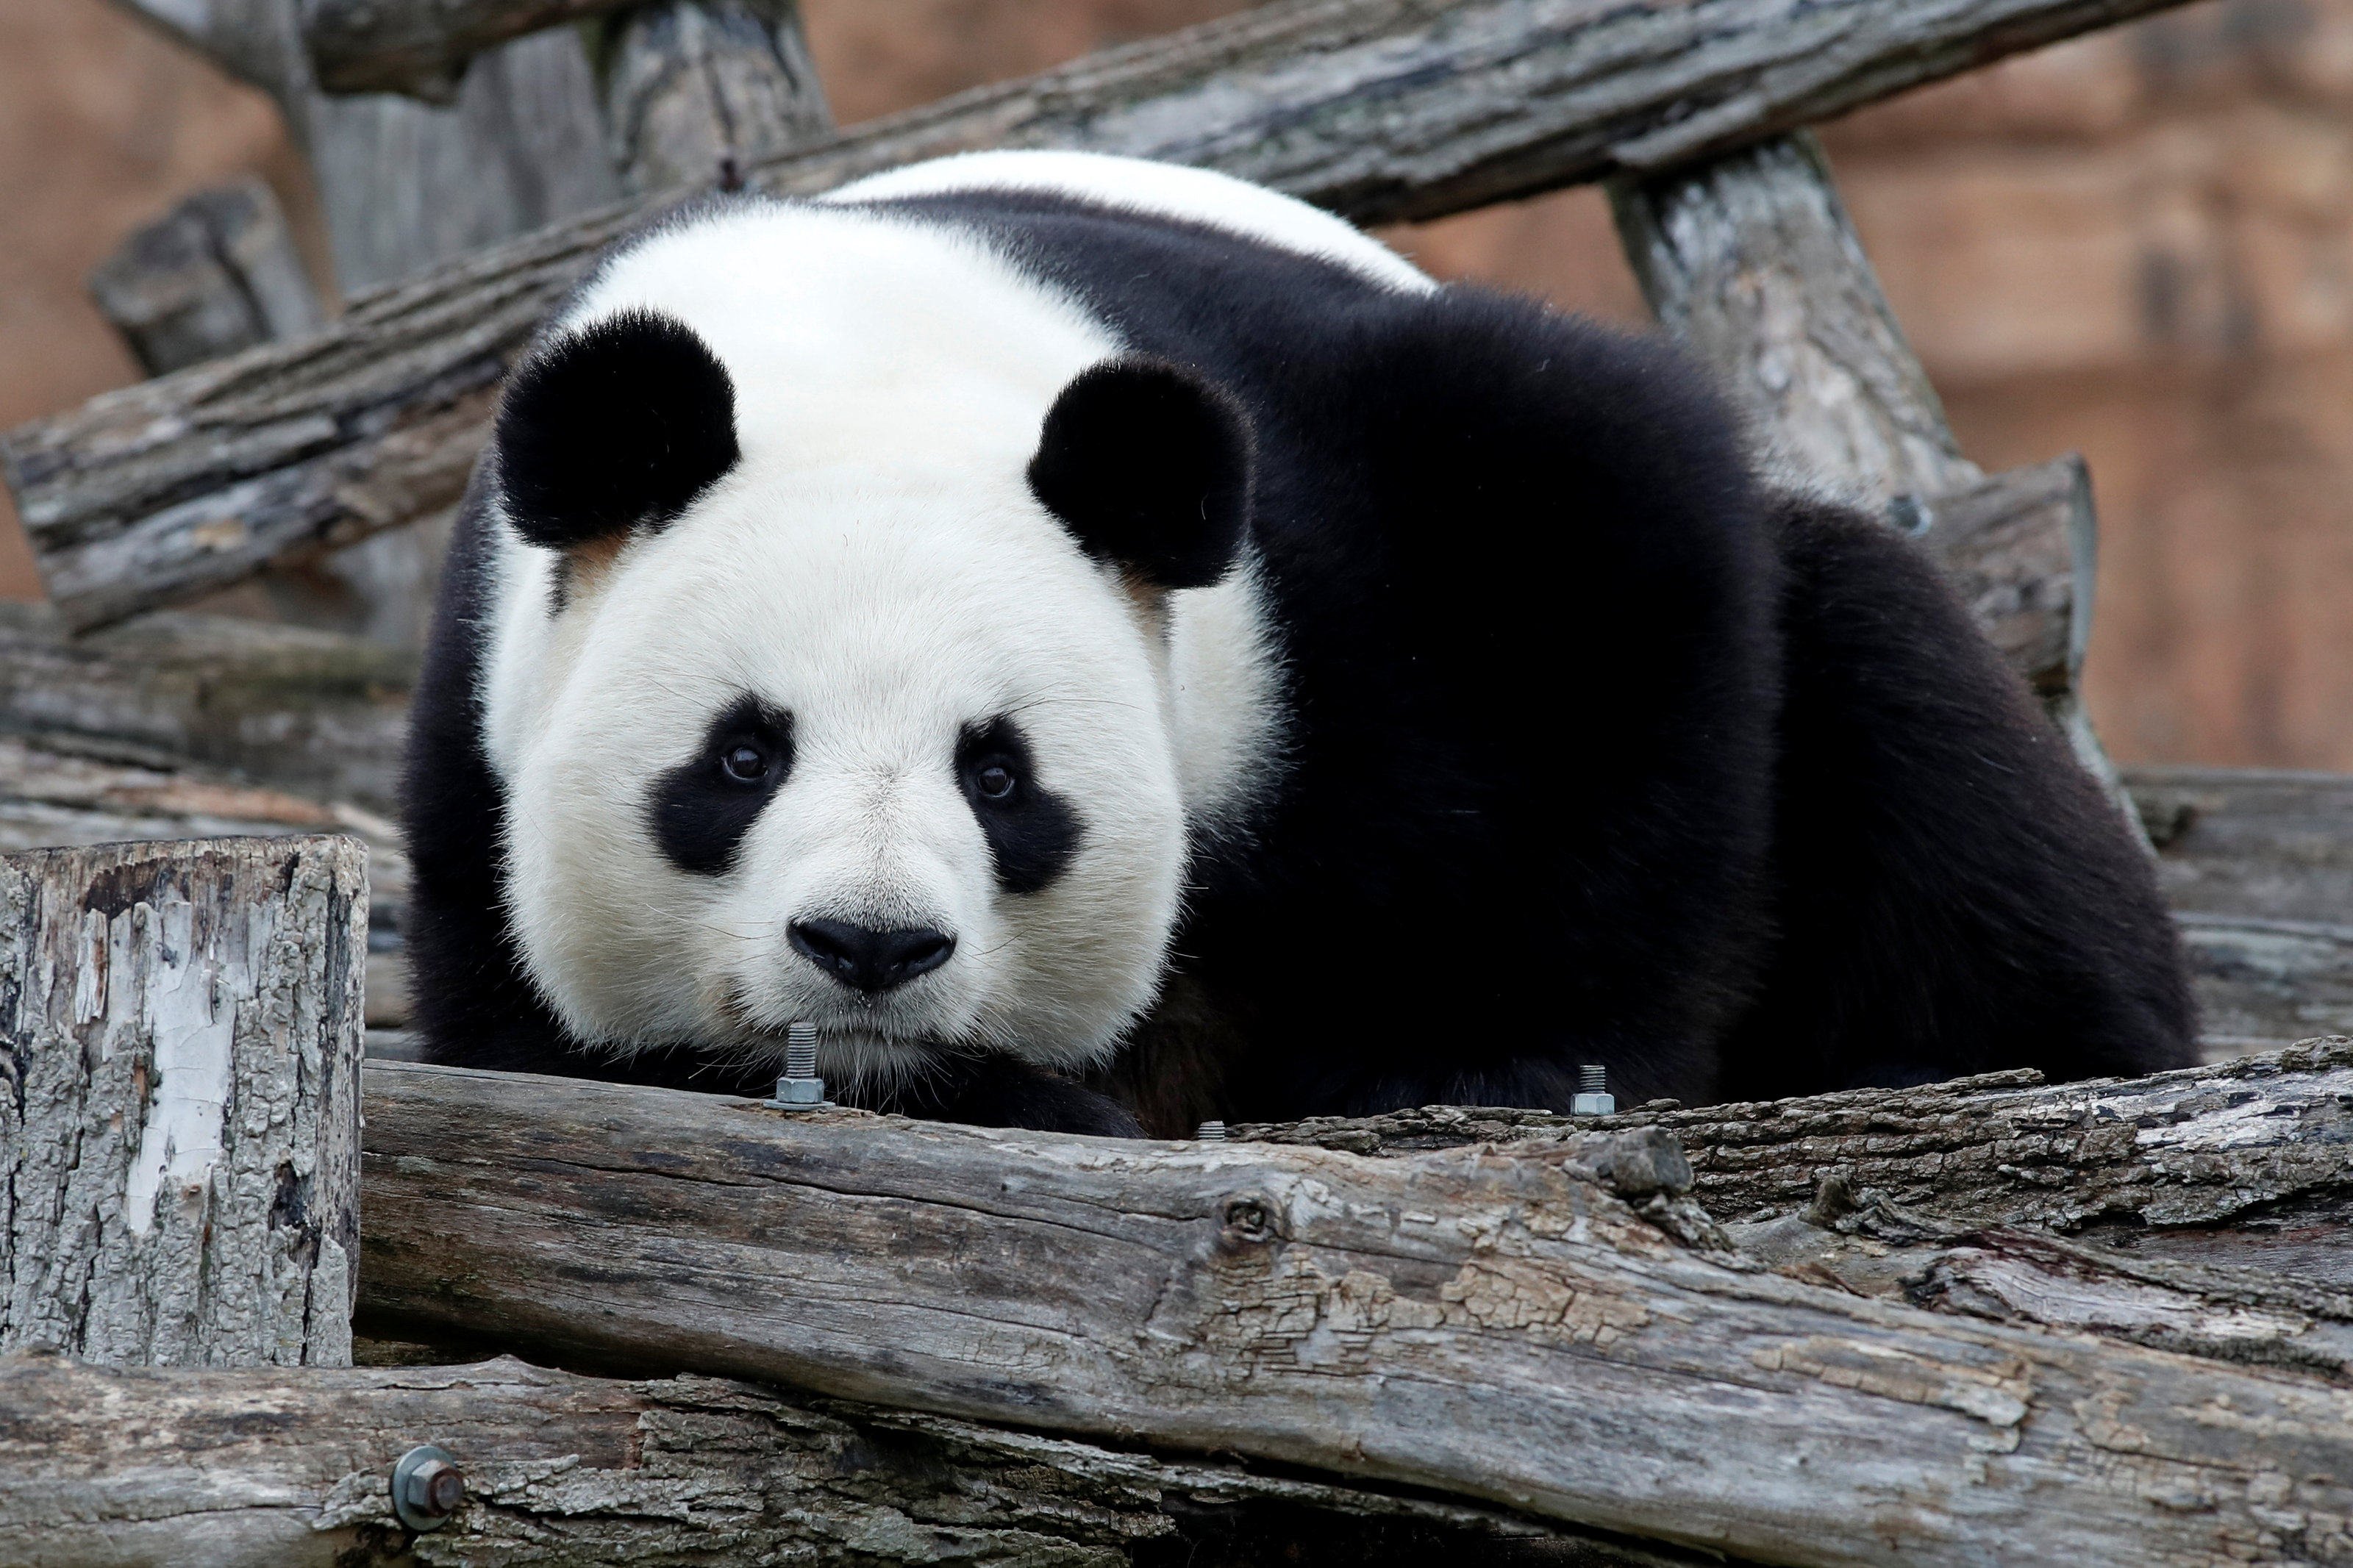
[
  {"x": 1504, "y": 1328},
  {"x": 2015, "y": 546},
  {"x": 112, "y": 1469},
  {"x": 2266, "y": 843},
  {"x": 179, "y": 1042},
  {"x": 1380, "y": 109},
  {"x": 215, "y": 274}
]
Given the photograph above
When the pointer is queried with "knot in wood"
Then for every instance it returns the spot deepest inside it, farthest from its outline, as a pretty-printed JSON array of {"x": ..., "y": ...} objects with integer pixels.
[{"x": 1248, "y": 1221}]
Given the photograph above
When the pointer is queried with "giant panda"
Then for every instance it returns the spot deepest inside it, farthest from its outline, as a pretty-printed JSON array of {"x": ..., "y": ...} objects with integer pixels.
[{"x": 944, "y": 610}]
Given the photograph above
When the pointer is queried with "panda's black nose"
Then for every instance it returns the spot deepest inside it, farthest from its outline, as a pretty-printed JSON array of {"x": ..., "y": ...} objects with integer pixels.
[{"x": 869, "y": 960}]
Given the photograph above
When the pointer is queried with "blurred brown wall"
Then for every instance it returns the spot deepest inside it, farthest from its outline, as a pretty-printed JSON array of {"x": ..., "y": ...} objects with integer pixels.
[{"x": 2139, "y": 245}]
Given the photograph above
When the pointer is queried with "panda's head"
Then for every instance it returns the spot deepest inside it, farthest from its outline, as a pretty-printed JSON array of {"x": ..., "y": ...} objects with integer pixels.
[{"x": 865, "y": 725}]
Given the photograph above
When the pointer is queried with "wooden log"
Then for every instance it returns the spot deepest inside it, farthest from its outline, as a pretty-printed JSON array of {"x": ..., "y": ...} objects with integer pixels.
[
  {"x": 179, "y": 1109},
  {"x": 1751, "y": 260},
  {"x": 1496, "y": 1328},
  {"x": 308, "y": 713},
  {"x": 2266, "y": 843},
  {"x": 104, "y": 1469},
  {"x": 1381, "y": 110},
  {"x": 697, "y": 91},
  {"x": 215, "y": 274},
  {"x": 2243, "y": 1163}
]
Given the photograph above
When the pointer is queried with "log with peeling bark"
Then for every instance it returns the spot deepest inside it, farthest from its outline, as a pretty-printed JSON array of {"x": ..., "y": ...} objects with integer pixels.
[
  {"x": 179, "y": 1099},
  {"x": 1380, "y": 109},
  {"x": 104, "y": 1469},
  {"x": 2246, "y": 1162},
  {"x": 1504, "y": 1327}
]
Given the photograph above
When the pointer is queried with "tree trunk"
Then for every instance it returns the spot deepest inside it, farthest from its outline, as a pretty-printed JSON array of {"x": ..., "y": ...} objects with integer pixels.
[
  {"x": 1502, "y": 1328},
  {"x": 180, "y": 1125},
  {"x": 699, "y": 91},
  {"x": 1381, "y": 110}
]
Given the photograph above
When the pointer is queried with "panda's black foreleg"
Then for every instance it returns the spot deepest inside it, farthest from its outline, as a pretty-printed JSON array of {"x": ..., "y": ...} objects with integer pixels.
[{"x": 1954, "y": 893}]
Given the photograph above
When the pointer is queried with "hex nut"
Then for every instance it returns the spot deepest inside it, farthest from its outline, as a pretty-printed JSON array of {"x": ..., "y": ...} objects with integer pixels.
[{"x": 426, "y": 1488}]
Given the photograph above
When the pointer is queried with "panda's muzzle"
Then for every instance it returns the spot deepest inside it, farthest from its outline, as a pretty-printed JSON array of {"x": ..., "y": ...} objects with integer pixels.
[{"x": 868, "y": 960}]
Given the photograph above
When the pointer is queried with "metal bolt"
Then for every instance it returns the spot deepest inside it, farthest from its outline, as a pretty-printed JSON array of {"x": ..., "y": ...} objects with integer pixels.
[
  {"x": 1211, "y": 1133},
  {"x": 800, "y": 1089},
  {"x": 426, "y": 1488},
  {"x": 1593, "y": 1096}
]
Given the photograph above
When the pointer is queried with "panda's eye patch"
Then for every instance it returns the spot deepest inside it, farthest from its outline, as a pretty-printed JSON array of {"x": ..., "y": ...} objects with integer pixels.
[
  {"x": 700, "y": 809},
  {"x": 1032, "y": 833}
]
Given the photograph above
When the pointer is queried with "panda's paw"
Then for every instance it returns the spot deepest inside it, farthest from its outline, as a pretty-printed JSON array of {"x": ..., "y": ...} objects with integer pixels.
[{"x": 1000, "y": 1091}]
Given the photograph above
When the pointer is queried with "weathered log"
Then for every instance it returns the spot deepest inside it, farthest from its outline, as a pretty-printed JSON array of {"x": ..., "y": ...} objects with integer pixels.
[
  {"x": 1751, "y": 260},
  {"x": 697, "y": 91},
  {"x": 2248, "y": 1162},
  {"x": 106, "y": 1468},
  {"x": 311, "y": 712},
  {"x": 215, "y": 274},
  {"x": 1496, "y": 1328},
  {"x": 1380, "y": 109},
  {"x": 179, "y": 1099},
  {"x": 2266, "y": 843}
]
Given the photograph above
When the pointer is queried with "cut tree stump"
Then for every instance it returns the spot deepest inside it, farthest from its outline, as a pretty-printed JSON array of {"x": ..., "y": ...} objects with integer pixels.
[
  {"x": 180, "y": 1040},
  {"x": 1380, "y": 109},
  {"x": 1551, "y": 1331}
]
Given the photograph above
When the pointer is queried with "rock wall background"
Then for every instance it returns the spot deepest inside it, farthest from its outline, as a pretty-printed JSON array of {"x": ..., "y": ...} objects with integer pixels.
[{"x": 2139, "y": 245}]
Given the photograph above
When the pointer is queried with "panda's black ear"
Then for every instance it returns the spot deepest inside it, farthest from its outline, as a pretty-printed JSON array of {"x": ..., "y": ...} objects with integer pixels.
[
  {"x": 619, "y": 425},
  {"x": 1149, "y": 467}
]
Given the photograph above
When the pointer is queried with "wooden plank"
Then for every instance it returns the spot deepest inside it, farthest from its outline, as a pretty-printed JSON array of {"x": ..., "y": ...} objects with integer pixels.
[
  {"x": 1380, "y": 109},
  {"x": 180, "y": 1041},
  {"x": 1496, "y": 1328},
  {"x": 2245, "y": 1162},
  {"x": 108, "y": 1468}
]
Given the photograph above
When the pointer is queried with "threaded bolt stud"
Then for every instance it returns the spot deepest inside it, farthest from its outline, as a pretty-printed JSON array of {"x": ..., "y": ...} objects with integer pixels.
[{"x": 800, "y": 1089}]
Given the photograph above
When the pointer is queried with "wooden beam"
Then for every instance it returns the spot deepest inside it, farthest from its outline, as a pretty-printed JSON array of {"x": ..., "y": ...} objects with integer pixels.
[
  {"x": 103, "y": 1467},
  {"x": 699, "y": 91},
  {"x": 2266, "y": 843},
  {"x": 1380, "y": 109},
  {"x": 180, "y": 1040},
  {"x": 1505, "y": 1328}
]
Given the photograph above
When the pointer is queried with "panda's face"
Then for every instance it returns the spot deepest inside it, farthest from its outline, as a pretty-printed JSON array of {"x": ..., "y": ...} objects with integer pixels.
[
  {"x": 895, "y": 765},
  {"x": 849, "y": 705}
]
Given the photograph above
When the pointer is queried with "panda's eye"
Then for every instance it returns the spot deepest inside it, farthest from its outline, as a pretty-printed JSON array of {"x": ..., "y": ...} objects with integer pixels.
[
  {"x": 995, "y": 780},
  {"x": 743, "y": 762}
]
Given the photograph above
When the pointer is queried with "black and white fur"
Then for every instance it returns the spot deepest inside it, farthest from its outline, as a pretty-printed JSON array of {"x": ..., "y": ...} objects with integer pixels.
[{"x": 1423, "y": 673}]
